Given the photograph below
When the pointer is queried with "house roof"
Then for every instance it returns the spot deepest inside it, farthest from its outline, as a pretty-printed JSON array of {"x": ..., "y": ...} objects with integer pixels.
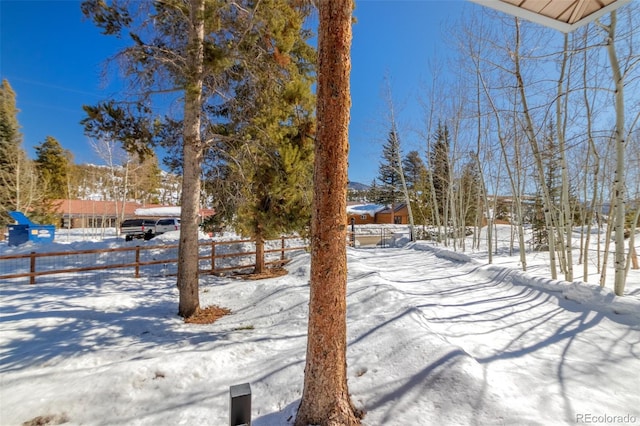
[
  {"x": 360, "y": 209},
  {"x": 78, "y": 208},
  {"x": 94, "y": 208},
  {"x": 168, "y": 211},
  {"x": 562, "y": 15},
  {"x": 396, "y": 208}
]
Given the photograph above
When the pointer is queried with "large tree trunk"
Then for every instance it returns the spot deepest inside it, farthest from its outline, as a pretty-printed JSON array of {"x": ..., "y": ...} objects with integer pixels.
[
  {"x": 325, "y": 398},
  {"x": 192, "y": 152}
]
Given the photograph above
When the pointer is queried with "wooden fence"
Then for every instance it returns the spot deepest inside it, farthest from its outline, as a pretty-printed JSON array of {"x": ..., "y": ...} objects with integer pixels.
[{"x": 34, "y": 264}]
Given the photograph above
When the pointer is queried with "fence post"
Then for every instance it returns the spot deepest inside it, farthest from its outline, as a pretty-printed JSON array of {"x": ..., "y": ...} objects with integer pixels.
[
  {"x": 137, "y": 261},
  {"x": 32, "y": 268},
  {"x": 213, "y": 257},
  {"x": 282, "y": 247}
]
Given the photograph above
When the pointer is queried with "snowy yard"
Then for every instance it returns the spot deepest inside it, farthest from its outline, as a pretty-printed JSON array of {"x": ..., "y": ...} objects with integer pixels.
[{"x": 435, "y": 337}]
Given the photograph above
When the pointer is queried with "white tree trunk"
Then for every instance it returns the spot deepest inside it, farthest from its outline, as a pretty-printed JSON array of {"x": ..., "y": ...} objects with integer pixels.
[
  {"x": 619, "y": 183},
  {"x": 565, "y": 218},
  {"x": 531, "y": 134}
]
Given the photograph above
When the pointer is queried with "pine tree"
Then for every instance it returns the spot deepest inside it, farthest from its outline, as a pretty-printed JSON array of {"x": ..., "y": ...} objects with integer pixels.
[
  {"x": 145, "y": 179},
  {"x": 207, "y": 50},
  {"x": 17, "y": 179},
  {"x": 277, "y": 128},
  {"x": 325, "y": 396},
  {"x": 540, "y": 237},
  {"x": 373, "y": 193},
  {"x": 53, "y": 166},
  {"x": 470, "y": 192},
  {"x": 390, "y": 189},
  {"x": 439, "y": 163},
  {"x": 10, "y": 136},
  {"x": 550, "y": 162},
  {"x": 416, "y": 177}
]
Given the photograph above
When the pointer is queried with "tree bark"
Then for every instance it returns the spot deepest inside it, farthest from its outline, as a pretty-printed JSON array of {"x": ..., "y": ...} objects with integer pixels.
[
  {"x": 189, "y": 301},
  {"x": 325, "y": 398}
]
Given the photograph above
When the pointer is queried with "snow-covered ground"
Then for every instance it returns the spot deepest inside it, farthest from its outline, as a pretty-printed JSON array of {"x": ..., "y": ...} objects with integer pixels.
[{"x": 435, "y": 338}]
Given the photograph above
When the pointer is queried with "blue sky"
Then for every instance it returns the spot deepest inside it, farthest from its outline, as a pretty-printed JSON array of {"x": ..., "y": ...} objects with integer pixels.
[{"x": 53, "y": 59}]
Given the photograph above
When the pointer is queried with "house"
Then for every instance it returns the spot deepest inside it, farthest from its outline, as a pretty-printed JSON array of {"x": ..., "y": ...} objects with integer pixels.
[
  {"x": 400, "y": 215},
  {"x": 93, "y": 213},
  {"x": 363, "y": 214},
  {"x": 156, "y": 212},
  {"x": 108, "y": 214}
]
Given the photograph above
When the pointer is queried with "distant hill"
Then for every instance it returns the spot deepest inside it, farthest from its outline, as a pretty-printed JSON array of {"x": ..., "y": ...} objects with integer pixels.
[{"x": 357, "y": 186}]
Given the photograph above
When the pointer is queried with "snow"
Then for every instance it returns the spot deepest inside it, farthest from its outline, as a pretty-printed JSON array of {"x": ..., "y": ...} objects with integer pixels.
[
  {"x": 158, "y": 211},
  {"x": 370, "y": 209},
  {"x": 434, "y": 337}
]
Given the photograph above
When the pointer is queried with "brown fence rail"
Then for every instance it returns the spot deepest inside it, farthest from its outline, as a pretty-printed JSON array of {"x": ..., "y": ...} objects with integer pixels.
[{"x": 214, "y": 257}]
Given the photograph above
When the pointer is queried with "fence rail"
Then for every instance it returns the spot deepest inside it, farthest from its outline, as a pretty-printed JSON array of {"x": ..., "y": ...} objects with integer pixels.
[{"x": 32, "y": 265}]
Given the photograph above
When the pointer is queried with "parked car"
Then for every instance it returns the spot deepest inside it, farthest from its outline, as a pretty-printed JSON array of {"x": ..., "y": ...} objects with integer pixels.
[
  {"x": 138, "y": 228},
  {"x": 167, "y": 224}
]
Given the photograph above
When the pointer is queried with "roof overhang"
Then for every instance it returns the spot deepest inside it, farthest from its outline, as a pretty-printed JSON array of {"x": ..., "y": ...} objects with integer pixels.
[{"x": 562, "y": 15}]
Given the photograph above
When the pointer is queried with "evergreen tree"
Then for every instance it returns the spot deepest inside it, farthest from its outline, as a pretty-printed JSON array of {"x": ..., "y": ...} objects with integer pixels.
[
  {"x": 416, "y": 177},
  {"x": 53, "y": 164},
  {"x": 439, "y": 163},
  {"x": 550, "y": 161},
  {"x": 414, "y": 170},
  {"x": 222, "y": 189},
  {"x": 390, "y": 189},
  {"x": 206, "y": 50},
  {"x": 10, "y": 136},
  {"x": 540, "y": 237},
  {"x": 470, "y": 192},
  {"x": 276, "y": 126},
  {"x": 373, "y": 194},
  {"x": 17, "y": 180},
  {"x": 145, "y": 180}
]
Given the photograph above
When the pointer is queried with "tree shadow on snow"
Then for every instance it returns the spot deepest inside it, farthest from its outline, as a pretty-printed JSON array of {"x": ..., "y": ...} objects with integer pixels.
[{"x": 51, "y": 322}]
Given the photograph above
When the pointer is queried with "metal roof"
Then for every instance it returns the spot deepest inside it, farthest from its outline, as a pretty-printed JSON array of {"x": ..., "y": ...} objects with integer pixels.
[{"x": 563, "y": 15}]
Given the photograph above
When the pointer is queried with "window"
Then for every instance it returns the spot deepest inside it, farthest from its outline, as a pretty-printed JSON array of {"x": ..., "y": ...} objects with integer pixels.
[{"x": 363, "y": 216}]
